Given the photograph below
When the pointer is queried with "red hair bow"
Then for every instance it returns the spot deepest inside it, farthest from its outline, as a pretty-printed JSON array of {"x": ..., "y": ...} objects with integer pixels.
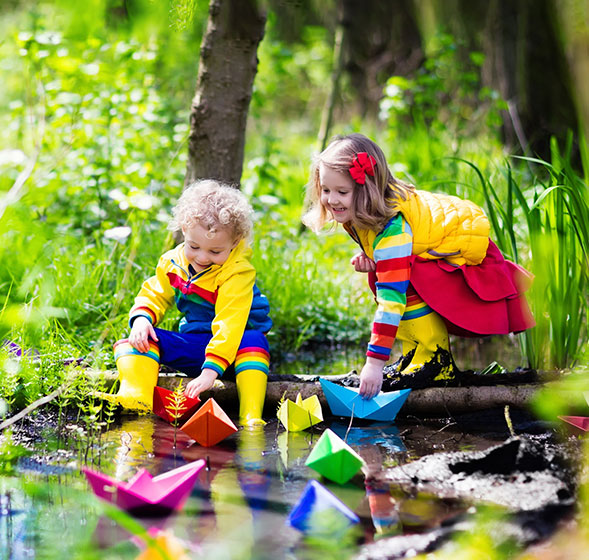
[{"x": 362, "y": 164}]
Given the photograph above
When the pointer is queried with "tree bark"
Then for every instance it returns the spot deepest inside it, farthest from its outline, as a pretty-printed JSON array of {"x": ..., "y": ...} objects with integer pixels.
[
  {"x": 381, "y": 39},
  {"x": 228, "y": 65},
  {"x": 574, "y": 23},
  {"x": 525, "y": 62}
]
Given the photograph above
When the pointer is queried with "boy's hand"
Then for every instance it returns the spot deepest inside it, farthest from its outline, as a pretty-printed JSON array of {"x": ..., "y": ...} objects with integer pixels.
[
  {"x": 200, "y": 384},
  {"x": 371, "y": 378},
  {"x": 141, "y": 331},
  {"x": 362, "y": 263}
]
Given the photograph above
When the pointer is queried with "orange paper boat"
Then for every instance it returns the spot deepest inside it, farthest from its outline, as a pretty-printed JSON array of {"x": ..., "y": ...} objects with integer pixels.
[
  {"x": 209, "y": 425},
  {"x": 163, "y": 405},
  {"x": 581, "y": 422}
]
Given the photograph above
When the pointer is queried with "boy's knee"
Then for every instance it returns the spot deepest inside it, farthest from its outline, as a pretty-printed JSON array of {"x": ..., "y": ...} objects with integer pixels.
[{"x": 254, "y": 339}]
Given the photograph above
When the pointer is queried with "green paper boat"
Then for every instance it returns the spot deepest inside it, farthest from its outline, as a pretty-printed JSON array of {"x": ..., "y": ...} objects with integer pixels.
[
  {"x": 345, "y": 401},
  {"x": 333, "y": 458},
  {"x": 301, "y": 414}
]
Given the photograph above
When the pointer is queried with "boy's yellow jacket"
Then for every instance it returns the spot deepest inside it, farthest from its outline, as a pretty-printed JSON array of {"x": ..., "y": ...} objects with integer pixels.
[
  {"x": 223, "y": 299},
  {"x": 443, "y": 226}
]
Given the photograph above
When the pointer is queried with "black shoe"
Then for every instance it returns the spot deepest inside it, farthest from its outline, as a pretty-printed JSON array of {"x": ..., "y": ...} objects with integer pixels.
[{"x": 440, "y": 371}]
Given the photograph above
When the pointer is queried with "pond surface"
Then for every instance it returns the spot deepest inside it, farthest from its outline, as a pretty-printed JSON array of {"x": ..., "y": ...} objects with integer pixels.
[{"x": 241, "y": 502}]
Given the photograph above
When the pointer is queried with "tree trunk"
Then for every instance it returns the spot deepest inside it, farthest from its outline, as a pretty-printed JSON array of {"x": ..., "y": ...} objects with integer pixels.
[
  {"x": 381, "y": 39},
  {"x": 228, "y": 65},
  {"x": 574, "y": 20},
  {"x": 525, "y": 62}
]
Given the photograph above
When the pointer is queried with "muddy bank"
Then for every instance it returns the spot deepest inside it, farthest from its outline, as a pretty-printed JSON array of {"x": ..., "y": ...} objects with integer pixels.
[{"x": 532, "y": 479}]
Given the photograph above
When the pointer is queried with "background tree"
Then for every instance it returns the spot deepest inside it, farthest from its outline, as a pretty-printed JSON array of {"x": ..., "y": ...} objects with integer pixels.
[{"x": 227, "y": 68}]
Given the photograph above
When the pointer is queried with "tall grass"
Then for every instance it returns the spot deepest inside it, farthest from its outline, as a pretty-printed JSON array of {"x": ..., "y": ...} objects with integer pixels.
[{"x": 555, "y": 212}]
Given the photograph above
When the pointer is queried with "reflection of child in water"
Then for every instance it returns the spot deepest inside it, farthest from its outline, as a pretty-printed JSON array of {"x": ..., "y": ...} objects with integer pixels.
[{"x": 383, "y": 507}]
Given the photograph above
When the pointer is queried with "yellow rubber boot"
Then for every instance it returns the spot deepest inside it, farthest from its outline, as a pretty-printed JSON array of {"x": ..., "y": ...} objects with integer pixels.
[
  {"x": 138, "y": 373},
  {"x": 251, "y": 388},
  {"x": 425, "y": 334}
]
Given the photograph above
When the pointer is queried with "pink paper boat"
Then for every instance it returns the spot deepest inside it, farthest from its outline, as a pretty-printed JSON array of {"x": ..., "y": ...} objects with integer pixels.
[
  {"x": 581, "y": 422},
  {"x": 145, "y": 495}
]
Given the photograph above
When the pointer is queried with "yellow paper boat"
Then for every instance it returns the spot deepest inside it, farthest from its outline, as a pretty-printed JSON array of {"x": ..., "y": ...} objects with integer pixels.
[{"x": 301, "y": 414}]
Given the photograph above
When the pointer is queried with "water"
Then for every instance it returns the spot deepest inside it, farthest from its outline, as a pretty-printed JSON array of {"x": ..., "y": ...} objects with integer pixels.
[{"x": 240, "y": 504}]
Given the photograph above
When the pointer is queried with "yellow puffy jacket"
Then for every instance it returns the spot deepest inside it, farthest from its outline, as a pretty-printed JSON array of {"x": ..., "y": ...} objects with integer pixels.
[{"x": 444, "y": 227}]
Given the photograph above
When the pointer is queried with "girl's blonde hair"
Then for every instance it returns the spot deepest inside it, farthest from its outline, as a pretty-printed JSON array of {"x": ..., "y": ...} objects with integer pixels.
[
  {"x": 214, "y": 206},
  {"x": 373, "y": 202}
]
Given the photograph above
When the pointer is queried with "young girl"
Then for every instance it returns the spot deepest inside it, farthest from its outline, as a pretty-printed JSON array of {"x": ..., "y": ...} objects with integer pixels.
[
  {"x": 212, "y": 282},
  {"x": 429, "y": 259}
]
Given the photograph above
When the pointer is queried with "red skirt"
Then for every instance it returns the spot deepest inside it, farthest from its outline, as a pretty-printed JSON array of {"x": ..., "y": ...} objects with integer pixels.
[{"x": 479, "y": 300}]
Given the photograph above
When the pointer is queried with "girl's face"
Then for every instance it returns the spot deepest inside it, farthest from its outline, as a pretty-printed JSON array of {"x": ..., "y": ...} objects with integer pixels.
[
  {"x": 203, "y": 248},
  {"x": 337, "y": 193}
]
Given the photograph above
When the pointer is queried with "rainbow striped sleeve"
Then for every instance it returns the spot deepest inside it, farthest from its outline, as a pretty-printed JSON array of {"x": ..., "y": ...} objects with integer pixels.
[
  {"x": 215, "y": 363},
  {"x": 392, "y": 254}
]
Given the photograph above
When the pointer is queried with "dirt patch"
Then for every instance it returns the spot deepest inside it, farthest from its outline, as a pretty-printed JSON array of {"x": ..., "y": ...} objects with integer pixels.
[{"x": 531, "y": 478}]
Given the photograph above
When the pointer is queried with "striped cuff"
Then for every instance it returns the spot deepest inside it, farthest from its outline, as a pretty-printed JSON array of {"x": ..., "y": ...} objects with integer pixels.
[
  {"x": 378, "y": 352},
  {"x": 216, "y": 363},
  {"x": 142, "y": 312}
]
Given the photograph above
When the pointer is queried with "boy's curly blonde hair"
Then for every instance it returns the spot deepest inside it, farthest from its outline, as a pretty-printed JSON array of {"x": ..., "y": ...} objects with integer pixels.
[{"x": 215, "y": 206}]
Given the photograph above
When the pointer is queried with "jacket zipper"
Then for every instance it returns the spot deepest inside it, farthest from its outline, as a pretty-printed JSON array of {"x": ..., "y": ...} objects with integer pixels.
[{"x": 190, "y": 278}]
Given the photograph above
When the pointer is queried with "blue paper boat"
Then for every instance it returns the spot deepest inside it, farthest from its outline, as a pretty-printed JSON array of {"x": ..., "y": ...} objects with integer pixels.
[
  {"x": 345, "y": 401},
  {"x": 313, "y": 505}
]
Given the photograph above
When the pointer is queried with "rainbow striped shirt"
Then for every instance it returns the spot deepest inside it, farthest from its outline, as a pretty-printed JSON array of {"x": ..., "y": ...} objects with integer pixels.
[{"x": 391, "y": 251}]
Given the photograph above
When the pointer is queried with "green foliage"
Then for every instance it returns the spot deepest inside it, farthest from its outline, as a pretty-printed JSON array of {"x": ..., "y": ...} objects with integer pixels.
[
  {"x": 96, "y": 121},
  {"x": 175, "y": 407},
  {"x": 10, "y": 453},
  {"x": 444, "y": 95},
  {"x": 555, "y": 213}
]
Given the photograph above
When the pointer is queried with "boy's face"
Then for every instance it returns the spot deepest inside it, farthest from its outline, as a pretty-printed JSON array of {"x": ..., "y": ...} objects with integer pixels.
[
  {"x": 337, "y": 193},
  {"x": 204, "y": 248}
]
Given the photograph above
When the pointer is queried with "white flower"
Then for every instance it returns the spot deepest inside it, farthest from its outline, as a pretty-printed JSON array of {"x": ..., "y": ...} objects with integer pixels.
[{"x": 119, "y": 233}]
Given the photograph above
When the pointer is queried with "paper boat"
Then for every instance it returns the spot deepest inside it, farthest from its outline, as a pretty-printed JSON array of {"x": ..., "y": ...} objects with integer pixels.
[
  {"x": 144, "y": 494},
  {"x": 163, "y": 406},
  {"x": 581, "y": 422},
  {"x": 209, "y": 425},
  {"x": 313, "y": 506},
  {"x": 345, "y": 401},
  {"x": 333, "y": 458},
  {"x": 301, "y": 414}
]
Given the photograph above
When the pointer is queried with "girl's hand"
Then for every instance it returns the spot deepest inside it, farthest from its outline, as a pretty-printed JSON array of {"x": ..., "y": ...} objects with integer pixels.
[
  {"x": 362, "y": 263},
  {"x": 200, "y": 384},
  {"x": 141, "y": 331},
  {"x": 371, "y": 378}
]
